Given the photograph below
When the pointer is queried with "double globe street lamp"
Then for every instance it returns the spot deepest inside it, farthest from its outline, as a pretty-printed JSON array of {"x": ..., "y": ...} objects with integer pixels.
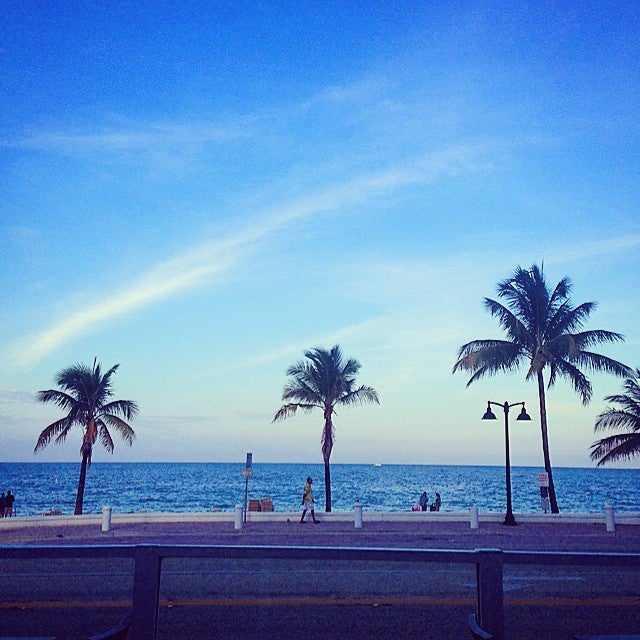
[{"x": 509, "y": 518}]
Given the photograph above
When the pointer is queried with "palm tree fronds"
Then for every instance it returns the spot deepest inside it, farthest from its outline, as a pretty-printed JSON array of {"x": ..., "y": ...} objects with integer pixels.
[
  {"x": 580, "y": 383},
  {"x": 470, "y": 355},
  {"x": 301, "y": 390},
  {"x": 511, "y": 324},
  {"x": 361, "y": 395},
  {"x": 568, "y": 319},
  {"x": 288, "y": 410},
  {"x": 105, "y": 437},
  {"x": 60, "y": 399},
  {"x": 487, "y": 357},
  {"x": 617, "y": 419},
  {"x": 58, "y": 430},
  {"x": 599, "y": 336},
  {"x": 560, "y": 294},
  {"x": 126, "y": 408},
  {"x": 124, "y": 430},
  {"x": 630, "y": 402},
  {"x": 598, "y": 362},
  {"x": 622, "y": 446}
]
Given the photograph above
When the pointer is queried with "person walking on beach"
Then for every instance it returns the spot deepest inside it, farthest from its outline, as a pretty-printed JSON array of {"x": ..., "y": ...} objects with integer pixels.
[
  {"x": 307, "y": 501},
  {"x": 424, "y": 501}
]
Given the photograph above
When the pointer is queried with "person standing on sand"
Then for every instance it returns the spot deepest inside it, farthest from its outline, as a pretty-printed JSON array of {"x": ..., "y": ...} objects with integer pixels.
[
  {"x": 424, "y": 501},
  {"x": 307, "y": 501},
  {"x": 8, "y": 505},
  {"x": 2, "y": 504}
]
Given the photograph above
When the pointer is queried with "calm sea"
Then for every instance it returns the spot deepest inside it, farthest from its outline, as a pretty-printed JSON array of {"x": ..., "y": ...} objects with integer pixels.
[{"x": 175, "y": 487}]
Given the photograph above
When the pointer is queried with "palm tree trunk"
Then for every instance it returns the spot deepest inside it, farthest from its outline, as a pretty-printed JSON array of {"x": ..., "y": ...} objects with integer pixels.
[
  {"x": 81, "y": 483},
  {"x": 327, "y": 446},
  {"x": 327, "y": 486},
  {"x": 553, "y": 502}
]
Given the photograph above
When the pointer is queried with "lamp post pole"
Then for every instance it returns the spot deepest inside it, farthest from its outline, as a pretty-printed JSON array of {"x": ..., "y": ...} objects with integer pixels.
[{"x": 509, "y": 518}]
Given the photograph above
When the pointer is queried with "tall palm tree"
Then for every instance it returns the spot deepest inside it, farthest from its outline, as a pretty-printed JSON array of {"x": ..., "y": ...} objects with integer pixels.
[
  {"x": 323, "y": 381},
  {"x": 85, "y": 395},
  {"x": 543, "y": 331},
  {"x": 626, "y": 444}
]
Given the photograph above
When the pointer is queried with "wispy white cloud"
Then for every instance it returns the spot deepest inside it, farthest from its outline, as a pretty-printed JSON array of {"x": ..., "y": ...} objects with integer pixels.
[
  {"x": 15, "y": 396},
  {"x": 200, "y": 265},
  {"x": 130, "y": 136},
  {"x": 592, "y": 249}
]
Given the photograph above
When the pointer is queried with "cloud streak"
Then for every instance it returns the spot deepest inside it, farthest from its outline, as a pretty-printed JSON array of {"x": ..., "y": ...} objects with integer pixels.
[
  {"x": 597, "y": 248},
  {"x": 201, "y": 265},
  {"x": 140, "y": 137}
]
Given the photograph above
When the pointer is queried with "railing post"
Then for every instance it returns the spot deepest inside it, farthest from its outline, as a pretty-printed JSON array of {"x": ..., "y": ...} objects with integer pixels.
[
  {"x": 106, "y": 519},
  {"x": 357, "y": 515},
  {"x": 146, "y": 594},
  {"x": 490, "y": 589},
  {"x": 237, "y": 518},
  {"x": 609, "y": 518},
  {"x": 473, "y": 517}
]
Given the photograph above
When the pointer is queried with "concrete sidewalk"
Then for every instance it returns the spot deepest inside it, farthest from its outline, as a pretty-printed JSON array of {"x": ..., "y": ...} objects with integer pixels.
[{"x": 434, "y": 535}]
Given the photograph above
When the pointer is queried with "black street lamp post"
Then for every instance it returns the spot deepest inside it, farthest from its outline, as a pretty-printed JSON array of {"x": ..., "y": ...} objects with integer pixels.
[{"x": 509, "y": 518}]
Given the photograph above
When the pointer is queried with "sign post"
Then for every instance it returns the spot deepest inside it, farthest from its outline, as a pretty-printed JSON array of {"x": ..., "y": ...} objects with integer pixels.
[
  {"x": 543, "y": 484},
  {"x": 247, "y": 472}
]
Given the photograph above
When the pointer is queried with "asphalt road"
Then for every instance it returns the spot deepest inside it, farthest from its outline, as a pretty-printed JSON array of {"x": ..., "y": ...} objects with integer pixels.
[{"x": 277, "y": 599}]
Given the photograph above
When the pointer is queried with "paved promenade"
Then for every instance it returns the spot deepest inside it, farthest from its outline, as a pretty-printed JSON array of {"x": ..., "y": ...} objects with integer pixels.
[{"x": 435, "y": 535}]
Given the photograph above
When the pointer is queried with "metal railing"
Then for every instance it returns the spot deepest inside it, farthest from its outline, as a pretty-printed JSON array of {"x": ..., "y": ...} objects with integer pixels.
[{"x": 489, "y": 565}]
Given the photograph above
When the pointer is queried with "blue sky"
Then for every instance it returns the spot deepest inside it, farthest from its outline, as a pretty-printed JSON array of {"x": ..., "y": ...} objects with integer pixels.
[{"x": 202, "y": 191}]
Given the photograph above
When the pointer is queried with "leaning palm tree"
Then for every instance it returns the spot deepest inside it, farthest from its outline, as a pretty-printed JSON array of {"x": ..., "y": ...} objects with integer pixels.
[
  {"x": 626, "y": 444},
  {"x": 543, "y": 331},
  {"x": 323, "y": 381},
  {"x": 85, "y": 395}
]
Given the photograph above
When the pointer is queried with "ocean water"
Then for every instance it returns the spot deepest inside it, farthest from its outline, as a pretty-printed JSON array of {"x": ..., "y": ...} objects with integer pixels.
[{"x": 198, "y": 487}]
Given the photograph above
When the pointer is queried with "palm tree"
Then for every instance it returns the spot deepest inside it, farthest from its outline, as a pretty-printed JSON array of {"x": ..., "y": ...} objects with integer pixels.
[
  {"x": 323, "y": 381},
  {"x": 85, "y": 395},
  {"x": 624, "y": 445},
  {"x": 543, "y": 331}
]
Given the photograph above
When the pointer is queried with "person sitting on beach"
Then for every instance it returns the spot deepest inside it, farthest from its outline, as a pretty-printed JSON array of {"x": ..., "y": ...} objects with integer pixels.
[
  {"x": 424, "y": 501},
  {"x": 308, "y": 502},
  {"x": 415, "y": 507}
]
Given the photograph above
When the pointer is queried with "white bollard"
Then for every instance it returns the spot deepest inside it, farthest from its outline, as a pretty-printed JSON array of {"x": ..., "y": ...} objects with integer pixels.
[
  {"x": 106, "y": 519},
  {"x": 237, "y": 523},
  {"x": 357, "y": 515},
  {"x": 473, "y": 517},
  {"x": 609, "y": 518}
]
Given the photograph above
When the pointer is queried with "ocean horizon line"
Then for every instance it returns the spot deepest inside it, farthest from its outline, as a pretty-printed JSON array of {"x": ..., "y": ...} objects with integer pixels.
[{"x": 307, "y": 463}]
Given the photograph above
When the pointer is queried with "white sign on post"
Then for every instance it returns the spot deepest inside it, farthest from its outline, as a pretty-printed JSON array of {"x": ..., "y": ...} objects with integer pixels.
[
  {"x": 543, "y": 484},
  {"x": 543, "y": 479}
]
